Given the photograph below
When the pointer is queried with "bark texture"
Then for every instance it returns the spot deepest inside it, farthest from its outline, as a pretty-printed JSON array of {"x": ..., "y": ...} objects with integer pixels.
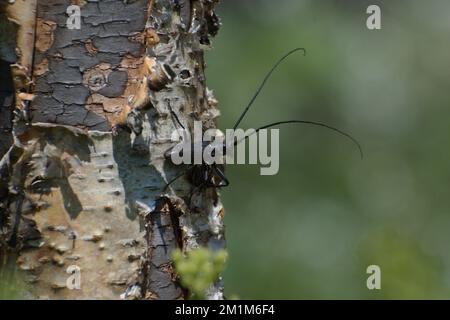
[{"x": 72, "y": 193}]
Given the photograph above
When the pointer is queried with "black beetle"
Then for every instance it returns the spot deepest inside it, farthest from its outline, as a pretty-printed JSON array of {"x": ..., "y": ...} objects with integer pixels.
[{"x": 212, "y": 175}]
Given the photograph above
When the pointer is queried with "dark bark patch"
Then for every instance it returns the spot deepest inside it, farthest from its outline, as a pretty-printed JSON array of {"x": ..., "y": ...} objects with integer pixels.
[
  {"x": 116, "y": 84},
  {"x": 49, "y": 113},
  {"x": 66, "y": 55},
  {"x": 73, "y": 115},
  {"x": 96, "y": 122},
  {"x": 61, "y": 73},
  {"x": 70, "y": 94}
]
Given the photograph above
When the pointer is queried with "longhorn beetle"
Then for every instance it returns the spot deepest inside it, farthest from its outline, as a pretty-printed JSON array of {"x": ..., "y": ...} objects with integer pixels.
[{"x": 208, "y": 175}]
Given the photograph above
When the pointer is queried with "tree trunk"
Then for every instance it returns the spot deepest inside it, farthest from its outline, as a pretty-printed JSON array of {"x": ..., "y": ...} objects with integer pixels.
[{"x": 77, "y": 192}]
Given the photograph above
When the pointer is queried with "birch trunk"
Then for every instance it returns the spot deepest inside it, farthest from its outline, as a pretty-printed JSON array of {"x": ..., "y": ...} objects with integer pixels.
[{"x": 73, "y": 195}]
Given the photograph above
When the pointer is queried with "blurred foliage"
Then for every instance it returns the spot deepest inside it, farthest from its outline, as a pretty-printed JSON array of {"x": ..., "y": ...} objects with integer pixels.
[
  {"x": 407, "y": 271},
  {"x": 198, "y": 269},
  {"x": 311, "y": 230}
]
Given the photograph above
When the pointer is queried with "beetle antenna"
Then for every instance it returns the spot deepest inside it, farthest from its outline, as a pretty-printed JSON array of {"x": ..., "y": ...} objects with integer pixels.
[
  {"x": 236, "y": 142},
  {"x": 261, "y": 86}
]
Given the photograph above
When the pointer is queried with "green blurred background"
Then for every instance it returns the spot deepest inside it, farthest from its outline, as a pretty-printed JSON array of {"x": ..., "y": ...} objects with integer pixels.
[{"x": 312, "y": 230}]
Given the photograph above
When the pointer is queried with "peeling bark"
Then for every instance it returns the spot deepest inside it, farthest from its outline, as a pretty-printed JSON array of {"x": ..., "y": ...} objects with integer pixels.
[{"x": 72, "y": 191}]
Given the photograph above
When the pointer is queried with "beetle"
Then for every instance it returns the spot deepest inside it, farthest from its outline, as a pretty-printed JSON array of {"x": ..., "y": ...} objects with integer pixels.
[{"x": 212, "y": 175}]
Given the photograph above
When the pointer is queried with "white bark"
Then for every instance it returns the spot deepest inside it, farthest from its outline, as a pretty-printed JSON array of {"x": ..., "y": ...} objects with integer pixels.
[{"x": 79, "y": 195}]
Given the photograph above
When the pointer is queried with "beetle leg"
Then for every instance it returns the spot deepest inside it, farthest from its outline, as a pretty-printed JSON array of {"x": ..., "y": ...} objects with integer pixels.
[{"x": 221, "y": 174}]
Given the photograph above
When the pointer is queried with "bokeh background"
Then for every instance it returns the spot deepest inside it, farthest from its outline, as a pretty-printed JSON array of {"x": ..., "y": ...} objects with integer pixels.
[{"x": 311, "y": 231}]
